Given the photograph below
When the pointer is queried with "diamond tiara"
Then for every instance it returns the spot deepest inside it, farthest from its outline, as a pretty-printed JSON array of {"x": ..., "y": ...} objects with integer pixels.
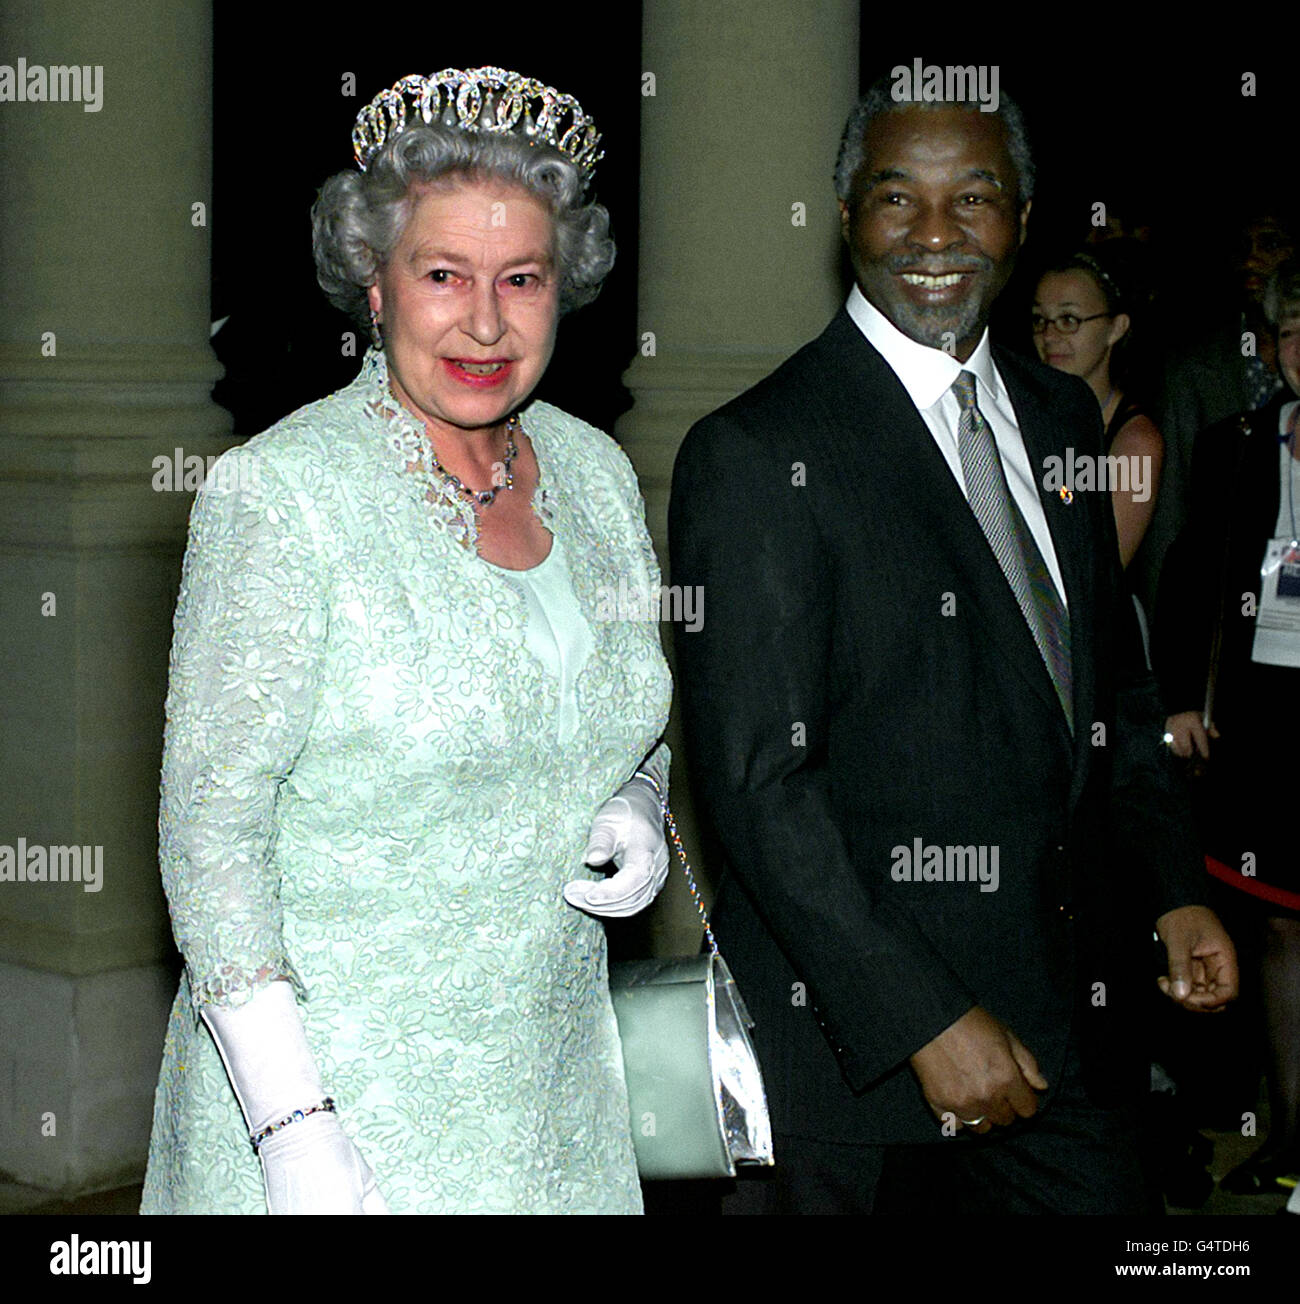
[{"x": 480, "y": 99}]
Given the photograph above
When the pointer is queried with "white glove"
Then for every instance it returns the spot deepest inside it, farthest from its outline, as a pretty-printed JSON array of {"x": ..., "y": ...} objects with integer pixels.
[
  {"x": 628, "y": 830},
  {"x": 309, "y": 1165},
  {"x": 312, "y": 1167}
]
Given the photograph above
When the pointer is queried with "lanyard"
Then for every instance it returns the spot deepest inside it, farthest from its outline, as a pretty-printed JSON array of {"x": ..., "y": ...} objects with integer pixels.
[
  {"x": 1290, "y": 477},
  {"x": 1290, "y": 483}
]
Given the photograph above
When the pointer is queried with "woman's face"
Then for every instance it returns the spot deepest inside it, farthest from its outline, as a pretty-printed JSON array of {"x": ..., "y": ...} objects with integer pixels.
[
  {"x": 1288, "y": 347},
  {"x": 1076, "y": 293},
  {"x": 469, "y": 302}
]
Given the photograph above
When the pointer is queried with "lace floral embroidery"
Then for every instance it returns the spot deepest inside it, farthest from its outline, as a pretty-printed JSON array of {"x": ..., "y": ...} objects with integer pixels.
[{"x": 362, "y": 791}]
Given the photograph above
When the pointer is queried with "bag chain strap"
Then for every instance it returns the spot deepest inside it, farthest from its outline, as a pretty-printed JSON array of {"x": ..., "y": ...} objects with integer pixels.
[
  {"x": 690, "y": 878},
  {"x": 681, "y": 855}
]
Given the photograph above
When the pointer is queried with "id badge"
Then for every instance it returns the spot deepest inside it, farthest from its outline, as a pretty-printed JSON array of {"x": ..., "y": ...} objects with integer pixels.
[{"x": 1277, "y": 626}]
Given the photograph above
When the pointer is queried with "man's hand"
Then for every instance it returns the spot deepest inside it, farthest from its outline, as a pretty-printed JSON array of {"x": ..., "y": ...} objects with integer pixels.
[
  {"x": 1202, "y": 961},
  {"x": 978, "y": 1069},
  {"x": 1187, "y": 734}
]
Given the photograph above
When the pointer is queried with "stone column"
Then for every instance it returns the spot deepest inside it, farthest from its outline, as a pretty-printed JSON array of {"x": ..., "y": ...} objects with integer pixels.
[
  {"x": 104, "y": 366},
  {"x": 743, "y": 105}
]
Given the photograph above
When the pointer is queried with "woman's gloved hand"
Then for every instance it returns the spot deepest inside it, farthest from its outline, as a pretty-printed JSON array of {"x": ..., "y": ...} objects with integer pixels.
[
  {"x": 309, "y": 1165},
  {"x": 629, "y": 831}
]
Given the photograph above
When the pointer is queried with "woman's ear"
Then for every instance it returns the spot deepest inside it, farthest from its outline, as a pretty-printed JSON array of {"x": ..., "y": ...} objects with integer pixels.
[{"x": 1119, "y": 328}]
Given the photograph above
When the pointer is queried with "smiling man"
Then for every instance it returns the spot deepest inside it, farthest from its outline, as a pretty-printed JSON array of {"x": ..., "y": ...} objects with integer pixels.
[
  {"x": 909, "y": 642},
  {"x": 935, "y": 174}
]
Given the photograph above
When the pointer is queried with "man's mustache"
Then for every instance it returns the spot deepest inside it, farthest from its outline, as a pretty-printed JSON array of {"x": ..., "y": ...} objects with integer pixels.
[{"x": 897, "y": 263}]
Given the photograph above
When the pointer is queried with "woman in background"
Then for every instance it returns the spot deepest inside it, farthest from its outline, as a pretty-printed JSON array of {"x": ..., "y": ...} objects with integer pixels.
[
  {"x": 1082, "y": 323},
  {"x": 1233, "y": 568}
]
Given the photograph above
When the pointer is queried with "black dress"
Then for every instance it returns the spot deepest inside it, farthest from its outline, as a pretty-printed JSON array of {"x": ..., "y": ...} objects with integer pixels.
[{"x": 1125, "y": 413}]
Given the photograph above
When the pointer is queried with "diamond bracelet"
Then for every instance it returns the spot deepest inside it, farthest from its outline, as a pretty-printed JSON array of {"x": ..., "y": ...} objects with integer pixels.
[
  {"x": 325, "y": 1106},
  {"x": 653, "y": 782}
]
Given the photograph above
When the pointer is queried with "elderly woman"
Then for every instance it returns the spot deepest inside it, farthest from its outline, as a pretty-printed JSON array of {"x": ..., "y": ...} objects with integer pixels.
[
  {"x": 1229, "y": 622},
  {"x": 397, "y": 729}
]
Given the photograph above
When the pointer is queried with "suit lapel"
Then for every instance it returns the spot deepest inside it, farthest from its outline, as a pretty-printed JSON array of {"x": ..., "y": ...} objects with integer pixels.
[{"x": 866, "y": 406}]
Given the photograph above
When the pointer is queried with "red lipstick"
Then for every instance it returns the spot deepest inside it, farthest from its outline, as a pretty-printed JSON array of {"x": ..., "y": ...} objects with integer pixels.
[{"x": 456, "y": 369}]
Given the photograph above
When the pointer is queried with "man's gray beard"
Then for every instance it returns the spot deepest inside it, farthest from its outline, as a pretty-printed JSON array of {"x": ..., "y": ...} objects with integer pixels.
[{"x": 929, "y": 326}]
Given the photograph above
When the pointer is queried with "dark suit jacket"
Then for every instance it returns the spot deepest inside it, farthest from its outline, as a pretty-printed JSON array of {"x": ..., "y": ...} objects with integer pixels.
[
  {"x": 1204, "y": 380},
  {"x": 1231, "y": 512},
  {"x": 1236, "y": 492},
  {"x": 834, "y": 711}
]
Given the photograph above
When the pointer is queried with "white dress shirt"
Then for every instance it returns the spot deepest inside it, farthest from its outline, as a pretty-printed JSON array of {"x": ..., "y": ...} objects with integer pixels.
[
  {"x": 1290, "y": 476},
  {"x": 928, "y": 375}
]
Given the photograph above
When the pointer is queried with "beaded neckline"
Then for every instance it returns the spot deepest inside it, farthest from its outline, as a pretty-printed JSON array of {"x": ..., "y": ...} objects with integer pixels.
[{"x": 410, "y": 454}]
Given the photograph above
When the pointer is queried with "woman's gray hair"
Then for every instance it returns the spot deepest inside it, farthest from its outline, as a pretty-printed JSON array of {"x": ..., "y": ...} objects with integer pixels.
[
  {"x": 879, "y": 99},
  {"x": 358, "y": 217},
  {"x": 1282, "y": 295}
]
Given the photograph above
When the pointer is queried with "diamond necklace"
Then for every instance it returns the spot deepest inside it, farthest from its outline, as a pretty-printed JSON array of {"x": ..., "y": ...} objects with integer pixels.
[{"x": 484, "y": 497}]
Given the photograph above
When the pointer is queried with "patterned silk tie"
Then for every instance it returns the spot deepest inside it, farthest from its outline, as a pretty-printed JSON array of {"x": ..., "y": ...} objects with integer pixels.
[{"x": 1012, "y": 543}]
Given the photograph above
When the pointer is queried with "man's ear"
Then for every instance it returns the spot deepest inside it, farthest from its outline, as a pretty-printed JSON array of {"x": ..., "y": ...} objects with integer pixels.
[
  {"x": 1024, "y": 219},
  {"x": 846, "y": 219}
]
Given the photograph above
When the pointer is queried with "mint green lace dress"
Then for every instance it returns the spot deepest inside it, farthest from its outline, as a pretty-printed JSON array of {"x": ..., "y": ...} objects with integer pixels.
[{"x": 383, "y": 755}]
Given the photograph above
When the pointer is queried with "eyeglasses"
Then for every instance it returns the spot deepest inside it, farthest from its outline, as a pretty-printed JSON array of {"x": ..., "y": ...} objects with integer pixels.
[{"x": 1067, "y": 323}]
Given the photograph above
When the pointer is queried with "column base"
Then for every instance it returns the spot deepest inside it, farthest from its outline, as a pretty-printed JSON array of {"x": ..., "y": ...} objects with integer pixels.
[{"x": 79, "y": 1057}]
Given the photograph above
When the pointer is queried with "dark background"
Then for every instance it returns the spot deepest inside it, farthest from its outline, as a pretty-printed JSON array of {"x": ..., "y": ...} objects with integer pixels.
[{"x": 1154, "y": 126}]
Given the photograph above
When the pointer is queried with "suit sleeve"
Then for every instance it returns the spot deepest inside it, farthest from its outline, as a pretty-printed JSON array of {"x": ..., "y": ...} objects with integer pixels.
[
  {"x": 658, "y": 761},
  {"x": 758, "y": 668},
  {"x": 246, "y": 664},
  {"x": 1150, "y": 805},
  {"x": 1190, "y": 581}
]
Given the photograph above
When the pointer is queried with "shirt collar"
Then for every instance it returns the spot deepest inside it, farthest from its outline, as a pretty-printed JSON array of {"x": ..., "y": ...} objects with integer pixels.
[
  {"x": 1284, "y": 416},
  {"x": 926, "y": 373}
]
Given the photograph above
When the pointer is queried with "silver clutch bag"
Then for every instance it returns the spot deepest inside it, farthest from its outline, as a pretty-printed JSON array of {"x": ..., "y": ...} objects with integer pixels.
[{"x": 694, "y": 1086}]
